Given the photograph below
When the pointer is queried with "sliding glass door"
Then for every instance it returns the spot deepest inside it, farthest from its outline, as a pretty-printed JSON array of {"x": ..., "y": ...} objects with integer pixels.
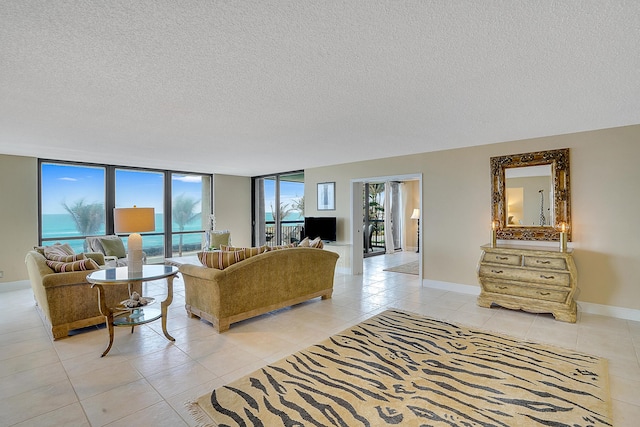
[{"x": 278, "y": 208}]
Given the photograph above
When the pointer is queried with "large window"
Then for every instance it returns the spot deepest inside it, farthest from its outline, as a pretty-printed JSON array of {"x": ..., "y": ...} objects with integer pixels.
[
  {"x": 72, "y": 203},
  {"x": 77, "y": 200},
  {"x": 143, "y": 188},
  {"x": 278, "y": 208},
  {"x": 190, "y": 205}
]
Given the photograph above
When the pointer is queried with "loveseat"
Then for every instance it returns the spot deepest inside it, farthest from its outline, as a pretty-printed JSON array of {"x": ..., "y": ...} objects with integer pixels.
[
  {"x": 65, "y": 300},
  {"x": 257, "y": 285}
]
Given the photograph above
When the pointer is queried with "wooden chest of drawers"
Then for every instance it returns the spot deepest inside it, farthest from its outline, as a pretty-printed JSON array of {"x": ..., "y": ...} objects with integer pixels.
[{"x": 531, "y": 278}]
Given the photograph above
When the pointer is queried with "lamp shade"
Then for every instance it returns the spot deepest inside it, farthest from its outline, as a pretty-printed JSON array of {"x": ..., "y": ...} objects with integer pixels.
[
  {"x": 415, "y": 214},
  {"x": 134, "y": 220}
]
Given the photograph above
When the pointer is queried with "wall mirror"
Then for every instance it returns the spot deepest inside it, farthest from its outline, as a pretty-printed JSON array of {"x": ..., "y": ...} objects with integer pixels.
[{"x": 530, "y": 195}]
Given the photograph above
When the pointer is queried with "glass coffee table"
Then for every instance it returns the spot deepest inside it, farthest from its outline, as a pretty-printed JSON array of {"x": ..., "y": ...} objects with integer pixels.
[{"x": 132, "y": 316}]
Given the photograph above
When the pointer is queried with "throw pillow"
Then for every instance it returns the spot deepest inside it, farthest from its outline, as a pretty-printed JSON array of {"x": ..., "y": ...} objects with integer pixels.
[
  {"x": 66, "y": 258},
  {"x": 58, "y": 249},
  {"x": 275, "y": 248},
  {"x": 220, "y": 259},
  {"x": 84, "y": 264},
  {"x": 316, "y": 243},
  {"x": 304, "y": 243},
  {"x": 113, "y": 247},
  {"x": 248, "y": 252},
  {"x": 218, "y": 238}
]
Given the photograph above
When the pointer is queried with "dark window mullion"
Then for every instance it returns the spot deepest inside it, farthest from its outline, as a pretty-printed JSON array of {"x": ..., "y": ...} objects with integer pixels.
[
  {"x": 110, "y": 195},
  {"x": 168, "y": 230}
]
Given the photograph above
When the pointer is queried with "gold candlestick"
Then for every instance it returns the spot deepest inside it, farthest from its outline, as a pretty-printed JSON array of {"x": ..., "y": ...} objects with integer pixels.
[
  {"x": 494, "y": 233},
  {"x": 563, "y": 236}
]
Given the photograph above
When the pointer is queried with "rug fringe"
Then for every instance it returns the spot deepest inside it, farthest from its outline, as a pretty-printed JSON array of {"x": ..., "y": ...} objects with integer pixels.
[{"x": 201, "y": 418}]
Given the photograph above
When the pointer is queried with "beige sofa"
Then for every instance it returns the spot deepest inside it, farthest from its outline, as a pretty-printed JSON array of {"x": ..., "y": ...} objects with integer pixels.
[
  {"x": 65, "y": 300},
  {"x": 257, "y": 285}
]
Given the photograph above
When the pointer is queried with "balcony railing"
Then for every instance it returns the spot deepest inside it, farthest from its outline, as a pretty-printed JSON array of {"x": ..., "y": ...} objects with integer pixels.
[
  {"x": 290, "y": 232},
  {"x": 376, "y": 241}
]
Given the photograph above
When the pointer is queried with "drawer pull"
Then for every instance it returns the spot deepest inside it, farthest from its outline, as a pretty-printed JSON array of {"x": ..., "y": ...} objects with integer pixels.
[
  {"x": 542, "y": 262},
  {"x": 497, "y": 271},
  {"x": 502, "y": 258},
  {"x": 544, "y": 293},
  {"x": 503, "y": 287},
  {"x": 542, "y": 276}
]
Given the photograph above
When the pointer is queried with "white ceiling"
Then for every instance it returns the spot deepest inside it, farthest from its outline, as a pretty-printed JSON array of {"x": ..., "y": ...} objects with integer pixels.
[{"x": 255, "y": 87}]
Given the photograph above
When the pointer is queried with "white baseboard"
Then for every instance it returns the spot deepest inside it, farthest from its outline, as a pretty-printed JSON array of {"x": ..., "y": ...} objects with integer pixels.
[
  {"x": 453, "y": 287},
  {"x": 584, "y": 307},
  {"x": 15, "y": 286},
  {"x": 609, "y": 310}
]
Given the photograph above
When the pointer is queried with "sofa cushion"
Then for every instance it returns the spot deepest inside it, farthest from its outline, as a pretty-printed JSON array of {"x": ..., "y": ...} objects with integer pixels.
[
  {"x": 66, "y": 258},
  {"x": 248, "y": 252},
  {"x": 113, "y": 247},
  {"x": 220, "y": 259},
  {"x": 57, "y": 249},
  {"x": 84, "y": 264}
]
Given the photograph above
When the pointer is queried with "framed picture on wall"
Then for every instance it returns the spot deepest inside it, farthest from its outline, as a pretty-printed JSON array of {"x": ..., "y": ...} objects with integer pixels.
[{"x": 326, "y": 196}]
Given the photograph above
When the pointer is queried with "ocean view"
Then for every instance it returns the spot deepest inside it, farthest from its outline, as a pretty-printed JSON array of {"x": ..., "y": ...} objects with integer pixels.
[{"x": 62, "y": 228}]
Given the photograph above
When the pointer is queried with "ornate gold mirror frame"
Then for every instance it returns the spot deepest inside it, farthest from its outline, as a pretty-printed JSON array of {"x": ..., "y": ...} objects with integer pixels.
[{"x": 559, "y": 161}]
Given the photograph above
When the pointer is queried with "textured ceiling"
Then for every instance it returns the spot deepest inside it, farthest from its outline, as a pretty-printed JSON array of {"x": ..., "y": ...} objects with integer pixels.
[{"x": 255, "y": 87}]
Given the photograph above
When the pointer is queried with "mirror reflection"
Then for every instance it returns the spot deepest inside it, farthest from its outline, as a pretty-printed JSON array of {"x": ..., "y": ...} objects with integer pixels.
[{"x": 529, "y": 193}]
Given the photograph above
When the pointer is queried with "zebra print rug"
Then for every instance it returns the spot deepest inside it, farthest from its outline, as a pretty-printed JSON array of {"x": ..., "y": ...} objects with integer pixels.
[{"x": 399, "y": 368}]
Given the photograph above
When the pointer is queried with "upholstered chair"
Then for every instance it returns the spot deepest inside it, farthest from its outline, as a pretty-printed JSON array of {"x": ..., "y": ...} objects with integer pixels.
[{"x": 113, "y": 249}]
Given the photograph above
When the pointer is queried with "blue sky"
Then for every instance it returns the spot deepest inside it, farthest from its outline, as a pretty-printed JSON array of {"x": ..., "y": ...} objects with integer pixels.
[
  {"x": 69, "y": 183},
  {"x": 289, "y": 191},
  {"x": 65, "y": 183}
]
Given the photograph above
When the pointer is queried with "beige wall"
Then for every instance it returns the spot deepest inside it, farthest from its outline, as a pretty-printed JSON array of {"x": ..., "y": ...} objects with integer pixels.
[
  {"x": 456, "y": 207},
  {"x": 19, "y": 211},
  {"x": 232, "y": 205},
  {"x": 18, "y": 214}
]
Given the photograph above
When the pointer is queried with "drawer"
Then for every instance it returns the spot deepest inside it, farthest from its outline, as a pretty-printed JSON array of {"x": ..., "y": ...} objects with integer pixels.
[
  {"x": 542, "y": 262},
  {"x": 506, "y": 259},
  {"x": 555, "y": 278},
  {"x": 527, "y": 292}
]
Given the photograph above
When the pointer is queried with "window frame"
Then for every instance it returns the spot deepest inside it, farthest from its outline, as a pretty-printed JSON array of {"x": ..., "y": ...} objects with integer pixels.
[{"x": 110, "y": 196}]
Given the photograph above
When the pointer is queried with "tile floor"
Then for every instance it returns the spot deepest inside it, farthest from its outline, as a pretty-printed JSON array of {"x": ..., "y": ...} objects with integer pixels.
[{"x": 145, "y": 379}]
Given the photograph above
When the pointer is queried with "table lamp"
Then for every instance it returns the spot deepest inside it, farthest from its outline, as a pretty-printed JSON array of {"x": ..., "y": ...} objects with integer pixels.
[{"x": 134, "y": 220}]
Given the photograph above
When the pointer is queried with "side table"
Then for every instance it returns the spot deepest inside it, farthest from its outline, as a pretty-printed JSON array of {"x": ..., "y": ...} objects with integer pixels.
[{"x": 121, "y": 316}]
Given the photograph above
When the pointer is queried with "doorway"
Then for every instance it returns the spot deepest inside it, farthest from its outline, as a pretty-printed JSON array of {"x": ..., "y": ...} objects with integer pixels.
[
  {"x": 405, "y": 207},
  {"x": 381, "y": 218}
]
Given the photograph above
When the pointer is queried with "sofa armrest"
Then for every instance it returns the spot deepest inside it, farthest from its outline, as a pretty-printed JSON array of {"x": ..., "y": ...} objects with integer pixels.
[
  {"x": 96, "y": 256},
  {"x": 201, "y": 271},
  {"x": 65, "y": 279}
]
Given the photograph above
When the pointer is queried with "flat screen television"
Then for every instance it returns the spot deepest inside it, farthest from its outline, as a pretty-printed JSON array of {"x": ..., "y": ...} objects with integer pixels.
[{"x": 320, "y": 226}]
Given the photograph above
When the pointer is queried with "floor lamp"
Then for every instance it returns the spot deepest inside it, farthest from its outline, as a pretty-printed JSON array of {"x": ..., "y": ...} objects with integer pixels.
[
  {"x": 134, "y": 220},
  {"x": 416, "y": 215}
]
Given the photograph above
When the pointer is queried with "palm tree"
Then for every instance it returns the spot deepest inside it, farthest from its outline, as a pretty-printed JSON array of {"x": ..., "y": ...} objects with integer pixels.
[
  {"x": 183, "y": 207},
  {"x": 298, "y": 205},
  {"x": 88, "y": 217},
  {"x": 283, "y": 211}
]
